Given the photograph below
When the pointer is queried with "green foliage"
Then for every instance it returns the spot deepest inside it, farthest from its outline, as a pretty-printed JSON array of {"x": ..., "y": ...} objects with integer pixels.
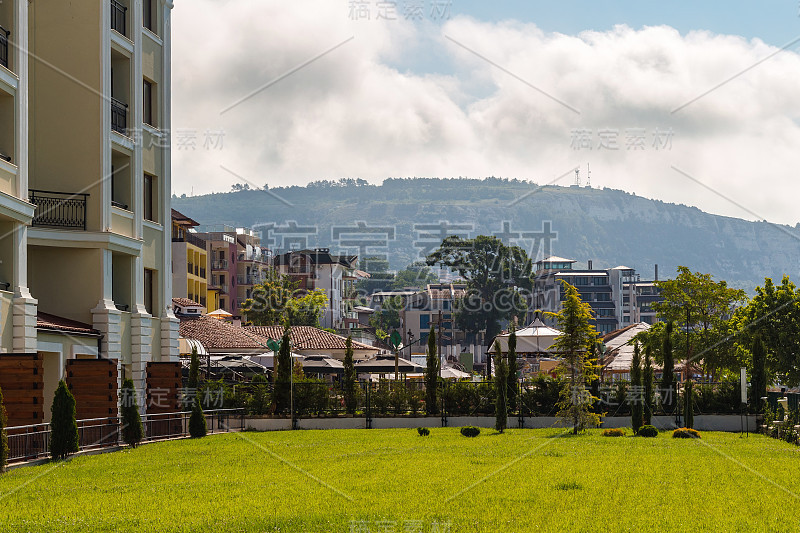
[
  {"x": 349, "y": 378},
  {"x": 270, "y": 299},
  {"x": 306, "y": 310},
  {"x": 685, "y": 433},
  {"x": 197, "y": 421},
  {"x": 281, "y": 392},
  {"x": 540, "y": 397},
  {"x": 132, "y": 430},
  {"x": 311, "y": 396},
  {"x": 501, "y": 386},
  {"x": 3, "y": 436},
  {"x": 512, "y": 387},
  {"x": 416, "y": 275},
  {"x": 576, "y": 343},
  {"x": 668, "y": 374},
  {"x": 388, "y": 318},
  {"x": 431, "y": 374},
  {"x": 489, "y": 268},
  {"x": 382, "y": 397},
  {"x": 688, "y": 404},
  {"x": 614, "y": 432},
  {"x": 636, "y": 386},
  {"x": 758, "y": 373},
  {"x": 63, "y": 426},
  {"x": 194, "y": 371},
  {"x": 647, "y": 431},
  {"x": 259, "y": 402},
  {"x": 648, "y": 376},
  {"x": 470, "y": 431},
  {"x": 423, "y": 432}
]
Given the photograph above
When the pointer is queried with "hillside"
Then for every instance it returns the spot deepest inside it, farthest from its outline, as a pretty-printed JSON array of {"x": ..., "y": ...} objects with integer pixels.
[{"x": 610, "y": 227}]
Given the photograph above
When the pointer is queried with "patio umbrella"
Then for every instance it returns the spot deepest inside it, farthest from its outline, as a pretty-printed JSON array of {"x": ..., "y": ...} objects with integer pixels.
[
  {"x": 384, "y": 364},
  {"x": 322, "y": 364},
  {"x": 220, "y": 314}
]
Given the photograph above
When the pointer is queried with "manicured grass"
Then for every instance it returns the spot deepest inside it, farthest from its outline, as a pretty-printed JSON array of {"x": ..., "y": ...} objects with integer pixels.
[{"x": 537, "y": 480}]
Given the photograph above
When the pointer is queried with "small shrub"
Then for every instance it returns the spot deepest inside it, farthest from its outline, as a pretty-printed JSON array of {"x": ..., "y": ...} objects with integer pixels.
[
  {"x": 614, "y": 432},
  {"x": 63, "y": 426},
  {"x": 132, "y": 431},
  {"x": 197, "y": 422},
  {"x": 470, "y": 431},
  {"x": 685, "y": 433},
  {"x": 423, "y": 432},
  {"x": 647, "y": 431}
]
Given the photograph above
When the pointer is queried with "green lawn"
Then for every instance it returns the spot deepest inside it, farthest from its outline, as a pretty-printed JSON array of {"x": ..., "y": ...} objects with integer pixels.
[{"x": 394, "y": 480}]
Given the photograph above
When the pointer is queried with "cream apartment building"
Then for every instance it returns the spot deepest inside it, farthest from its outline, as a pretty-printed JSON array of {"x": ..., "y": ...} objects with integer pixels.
[{"x": 85, "y": 184}]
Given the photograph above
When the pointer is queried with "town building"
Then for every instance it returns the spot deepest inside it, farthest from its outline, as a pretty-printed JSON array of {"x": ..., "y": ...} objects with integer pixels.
[
  {"x": 84, "y": 189},
  {"x": 190, "y": 264},
  {"x": 335, "y": 274}
]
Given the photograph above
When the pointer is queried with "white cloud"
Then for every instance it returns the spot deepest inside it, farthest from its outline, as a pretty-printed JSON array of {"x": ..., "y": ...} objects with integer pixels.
[{"x": 350, "y": 113}]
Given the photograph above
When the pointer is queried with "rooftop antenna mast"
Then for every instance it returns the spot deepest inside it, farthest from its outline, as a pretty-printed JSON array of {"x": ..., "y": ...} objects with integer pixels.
[
  {"x": 577, "y": 177},
  {"x": 588, "y": 176}
]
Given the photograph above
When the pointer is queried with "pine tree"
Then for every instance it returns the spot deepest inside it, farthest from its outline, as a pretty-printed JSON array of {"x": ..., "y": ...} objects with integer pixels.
[
  {"x": 501, "y": 388},
  {"x": 63, "y": 425},
  {"x": 132, "y": 431},
  {"x": 647, "y": 379},
  {"x": 576, "y": 343},
  {"x": 636, "y": 389},
  {"x": 668, "y": 377},
  {"x": 688, "y": 404},
  {"x": 3, "y": 436},
  {"x": 511, "y": 381},
  {"x": 431, "y": 375},
  {"x": 759, "y": 377},
  {"x": 197, "y": 421},
  {"x": 283, "y": 374},
  {"x": 349, "y": 377}
]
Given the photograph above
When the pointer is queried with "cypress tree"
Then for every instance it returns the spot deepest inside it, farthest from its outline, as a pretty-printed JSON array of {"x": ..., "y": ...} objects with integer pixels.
[
  {"x": 431, "y": 374},
  {"x": 132, "y": 431},
  {"x": 3, "y": 436},
  {"x": 197, "y": 421},
  {"x": 759, "y": 376},
  {"x": 688, "y": 403},
  {"x": 283, "y": 374},
  {"x": 511, "y": 380},
  {"x": 349, "y": 377},
  {"x": 63, "y": 425},
  {"x": 636, "y": 389},
  {"x": 501, "y": 388},
  {"x": 194, "y": 371},
  {"x": 668, "y": 376},
  {"x": 647, "y": 378}
]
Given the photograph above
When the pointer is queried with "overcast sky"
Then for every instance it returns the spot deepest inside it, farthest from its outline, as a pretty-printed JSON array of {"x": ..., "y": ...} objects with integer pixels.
[{"x": 687, "y": 104}]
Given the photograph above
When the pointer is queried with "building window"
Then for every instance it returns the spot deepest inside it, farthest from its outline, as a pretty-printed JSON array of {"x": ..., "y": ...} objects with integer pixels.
[
  {"x": 150, "y": 203},
  {"x": 149, "y": 292},
  {"x": 148, "y": 15},
  {"x": 148, "y": 107},
  {"x": 424, "y": 322}
]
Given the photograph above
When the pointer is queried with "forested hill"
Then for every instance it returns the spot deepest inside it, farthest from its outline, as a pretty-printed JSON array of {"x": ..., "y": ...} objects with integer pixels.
[{"x": 403, "y": 218}]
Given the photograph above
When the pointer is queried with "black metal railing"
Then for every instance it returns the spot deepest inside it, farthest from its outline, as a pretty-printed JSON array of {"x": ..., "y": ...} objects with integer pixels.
[
  {"x": 58, "y": 209},
  {"x": 4, "y": 33},
  {"x": 118, "y": 14},
  {"x": 120, "y": 205},
  {"x": 26, "y": 443},
  {"x": 119, "y": 116},
  {"x": 191, "y": 238},
  {"x": 219, "y": 265}
]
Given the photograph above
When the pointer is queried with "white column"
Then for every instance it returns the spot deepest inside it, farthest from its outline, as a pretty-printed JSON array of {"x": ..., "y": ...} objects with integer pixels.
[
  {"x": 106, "y": 318},
  {"x": 21, "y": 98},
  {"x": 137, "y": 118}
]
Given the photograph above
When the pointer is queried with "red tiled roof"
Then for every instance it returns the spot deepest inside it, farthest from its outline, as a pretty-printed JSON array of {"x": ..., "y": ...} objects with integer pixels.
[
  {"x": 186, "y": 302},
  {"x": 48, "y": 321},
  {"x": 309, "y": 338},
  {"x": 217, "y": 334}
]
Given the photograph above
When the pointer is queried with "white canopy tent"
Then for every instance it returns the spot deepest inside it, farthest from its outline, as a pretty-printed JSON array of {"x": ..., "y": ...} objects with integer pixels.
[{"x": 535, "y": 339}]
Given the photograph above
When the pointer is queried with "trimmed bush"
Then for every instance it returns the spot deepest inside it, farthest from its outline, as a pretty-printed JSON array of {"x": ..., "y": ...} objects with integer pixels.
[
  {"x": 685, "y": 433},
  {"x": 132, "y": 431},
  {"x": 423, "y": 432},
  {"x": 470, "y": 431},
  {"x": 3, "y": 436},
  {"x": 197, "y": 422},
  {"x": 614, "y": 432},
  {"x": 63, "y": 426},
  {"x": 647, "y": 431}
]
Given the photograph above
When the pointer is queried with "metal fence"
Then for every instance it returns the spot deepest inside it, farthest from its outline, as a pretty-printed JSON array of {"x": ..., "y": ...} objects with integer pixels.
[{"x": 32, "y": 442}]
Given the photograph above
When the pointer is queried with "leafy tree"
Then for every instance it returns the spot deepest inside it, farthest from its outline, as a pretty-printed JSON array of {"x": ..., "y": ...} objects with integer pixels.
[
  {"x": 3, "y": 436},
  {"x": 511, "y": 381},
  {"x": 576, "y": 343},
  {"x": 388, "y": 318},
  {"x": 774, "y": 315},
  {"x": 306, "y": 310},
  {"x": 63, "y": 425},
  {"x": 431, "y": 374},
  {"x": 349, "y": 377},
  {"x": 636, "y": 388},
  {"x": 132, "y": 430},
  {"x": 416, "y": 275},
  {"x": 269, "y": 301},
  {"x": 194, "y": 371},
  {"x": 501, "y": 386},
  {"x": 281, "y": 393},
  {"x": 197, "y": 421},
  {"x": 668, "y": 375},
  {"x": 708, "y": 304},
  {"x": 492, "y": 272},
  {"x": 647, "y": 384},
  {"x": 758, "y": 372}
]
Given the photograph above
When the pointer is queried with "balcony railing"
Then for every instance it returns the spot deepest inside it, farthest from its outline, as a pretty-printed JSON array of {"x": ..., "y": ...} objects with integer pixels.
[
  {"x": 191, "y": 238},
  {"x": 4, "y": 33},
  {"x": 59, "y": 209},
  {"x": 118, "y": 13},
  {"x": 119, "y": 116},
  {"x": 219, "y": 265},
  {"x": 252, "y": 279}
]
